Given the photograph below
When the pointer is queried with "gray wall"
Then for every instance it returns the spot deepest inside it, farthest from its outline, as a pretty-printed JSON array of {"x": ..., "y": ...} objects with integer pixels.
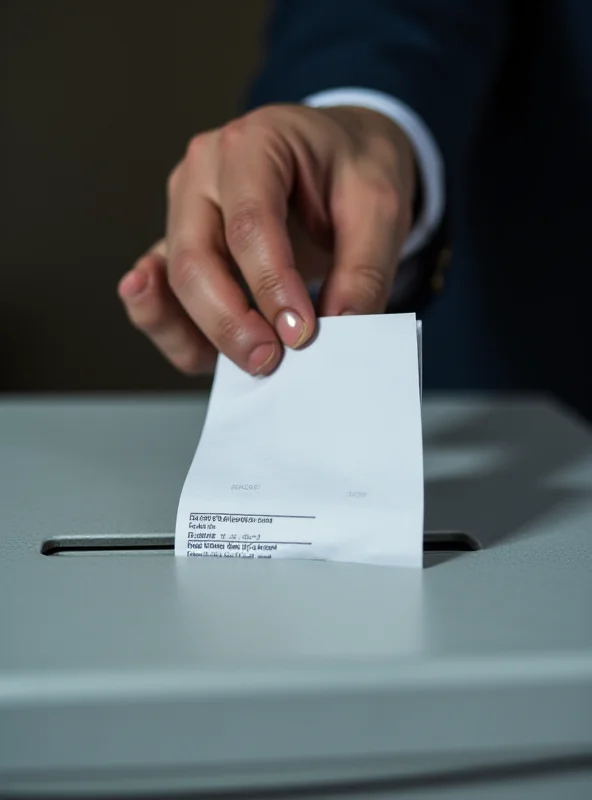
[{"x": 97, "y": 101}]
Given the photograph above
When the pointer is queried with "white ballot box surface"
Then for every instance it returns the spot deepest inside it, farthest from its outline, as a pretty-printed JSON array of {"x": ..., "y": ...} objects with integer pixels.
[{"x": 127, "y": 672}]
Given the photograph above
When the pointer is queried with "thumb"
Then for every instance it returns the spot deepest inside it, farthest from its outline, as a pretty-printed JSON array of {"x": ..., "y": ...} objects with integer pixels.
[{"x": 370, "y": 221}]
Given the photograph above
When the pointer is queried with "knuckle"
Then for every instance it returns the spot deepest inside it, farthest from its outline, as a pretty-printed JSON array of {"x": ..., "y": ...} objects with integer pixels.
[
  {"x": 258, "y": 115},
  {"x": 243, "y": 226},
  {"x": 263, "y": 121},
  {"x": 386, "y": 197},
  {"x": 228, "y": 332},
  {"x": 233, "y": 133},
  {"x": 268, "y": 285},
  {"x": 370, "y": 285},
  {"x": 183, "y": 269},
  {"x": 196, "y": 146},
  {"x": 389, "y": 202}
]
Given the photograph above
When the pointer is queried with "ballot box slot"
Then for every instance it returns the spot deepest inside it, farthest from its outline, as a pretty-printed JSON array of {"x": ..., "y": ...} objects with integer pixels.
[
  {"x": 116, "y": 544},
  {"x": 164, "y": 544},
  {"x": 449, "y": 542}
]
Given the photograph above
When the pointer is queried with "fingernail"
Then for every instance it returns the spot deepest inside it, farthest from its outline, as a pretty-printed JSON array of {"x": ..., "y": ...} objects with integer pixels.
[
  {"x": 348, "y": 313},
  {"x": 133, "y": 284},
  {"x": 262, "y": 359},
  {"x": 291, "y": 328}
]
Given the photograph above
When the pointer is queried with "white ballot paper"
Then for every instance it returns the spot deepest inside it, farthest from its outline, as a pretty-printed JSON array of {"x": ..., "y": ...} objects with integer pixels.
[{"x": 321, "y": 460}]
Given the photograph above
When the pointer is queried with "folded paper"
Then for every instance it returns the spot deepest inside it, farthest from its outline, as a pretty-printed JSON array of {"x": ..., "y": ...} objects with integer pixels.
[{"x": 321, "y": 460}]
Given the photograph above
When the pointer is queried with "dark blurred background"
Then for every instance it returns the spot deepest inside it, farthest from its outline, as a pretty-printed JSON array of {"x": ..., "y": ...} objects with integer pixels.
[{"x": 98, "y": 99}]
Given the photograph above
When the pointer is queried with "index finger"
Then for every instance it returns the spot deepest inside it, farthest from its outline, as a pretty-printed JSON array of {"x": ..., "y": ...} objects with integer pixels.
[{"x": 255, "y": 181}]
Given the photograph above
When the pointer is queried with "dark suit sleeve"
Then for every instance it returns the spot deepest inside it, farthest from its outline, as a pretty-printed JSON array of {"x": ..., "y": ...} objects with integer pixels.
[{"x": 438, "y": 56}]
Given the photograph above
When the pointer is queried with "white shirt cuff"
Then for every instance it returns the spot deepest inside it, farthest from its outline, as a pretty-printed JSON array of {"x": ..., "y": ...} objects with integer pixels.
[{"x": 429, "y": 159}]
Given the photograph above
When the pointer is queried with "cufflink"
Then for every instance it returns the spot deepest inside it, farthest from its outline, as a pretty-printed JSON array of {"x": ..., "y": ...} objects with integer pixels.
[{"x": 442, "y": 263}]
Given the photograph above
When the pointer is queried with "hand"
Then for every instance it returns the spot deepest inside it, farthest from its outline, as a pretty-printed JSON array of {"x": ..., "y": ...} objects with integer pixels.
[{"x": 281, "y": 197}]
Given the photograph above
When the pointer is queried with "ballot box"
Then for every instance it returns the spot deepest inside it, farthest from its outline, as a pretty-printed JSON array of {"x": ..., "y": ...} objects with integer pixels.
[{"x": 127, "y": 672}]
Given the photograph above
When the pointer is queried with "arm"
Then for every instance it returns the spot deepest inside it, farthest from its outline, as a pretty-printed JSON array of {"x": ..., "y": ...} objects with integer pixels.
[
  {"x": 439, "y": 57},
  {"x": 348, "y": 174},
  {"x": 426, "y": 64}
]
